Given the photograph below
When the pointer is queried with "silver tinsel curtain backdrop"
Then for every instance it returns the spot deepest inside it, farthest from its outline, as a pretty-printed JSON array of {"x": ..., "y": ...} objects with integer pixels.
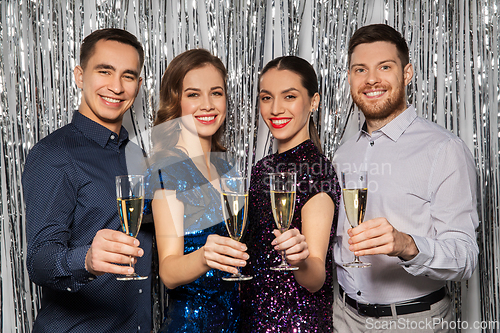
[{"x": 454, "y": 46}]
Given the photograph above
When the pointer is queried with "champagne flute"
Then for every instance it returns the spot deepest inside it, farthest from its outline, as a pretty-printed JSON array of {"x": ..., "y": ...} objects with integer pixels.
[
  {"x": 282, "y": 188},
  {"x": 354, "y": 193},
  {"x": 130, "y": 200},
  {"x": 234, "y": 197}
]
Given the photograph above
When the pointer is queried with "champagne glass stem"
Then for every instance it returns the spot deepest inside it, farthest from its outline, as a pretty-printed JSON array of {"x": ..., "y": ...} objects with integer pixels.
[
  {"x": 284, "y": 265},
  {"x": 283, "y": 258},
  {"x": 237, "y": 277},
  {"x": 132, "y": 263}
]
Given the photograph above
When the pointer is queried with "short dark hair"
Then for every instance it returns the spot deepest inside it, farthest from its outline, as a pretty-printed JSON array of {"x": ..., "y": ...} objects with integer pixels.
[
  {"x": 119, "y": 35},
  {"x": 379, "y": 33}
]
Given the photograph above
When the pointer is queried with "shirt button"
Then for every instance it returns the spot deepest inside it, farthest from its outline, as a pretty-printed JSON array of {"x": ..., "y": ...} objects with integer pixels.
[
  {"x": 112, "y": 137},
  {"x": 359, "y": 293},
  {"x": 68, "y": 289},
  {"x": 138, "y": 328},
  {"x": 140, "y": 291},
  {"x": 372, "y": 143}
]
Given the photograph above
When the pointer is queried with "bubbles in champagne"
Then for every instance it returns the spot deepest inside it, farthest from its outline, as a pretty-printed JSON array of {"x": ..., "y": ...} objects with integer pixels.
[
  {"x": 355, "y": 205},
  {"x": 235, "y": 213},
  {"x": 130, "y": 211},
  {"x": 283, "y": 206}
]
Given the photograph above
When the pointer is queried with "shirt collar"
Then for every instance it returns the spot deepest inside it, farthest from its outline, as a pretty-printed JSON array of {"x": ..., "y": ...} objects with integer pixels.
[
  {"x": 396, "y": 127},
  {"x": 96, "y": 132}
]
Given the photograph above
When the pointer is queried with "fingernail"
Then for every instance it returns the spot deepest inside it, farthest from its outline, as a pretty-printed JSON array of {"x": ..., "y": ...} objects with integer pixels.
[
  {"x": 246, "y": 256},
  {"x": 243, "y": 263},
  {"x": 130, "y": 271},
  {"x": 136, "y": 242},
  {"x": 140, "y": 253},
  {"x": 277, "y": 247},
  {"x": 243, "y": 248}
]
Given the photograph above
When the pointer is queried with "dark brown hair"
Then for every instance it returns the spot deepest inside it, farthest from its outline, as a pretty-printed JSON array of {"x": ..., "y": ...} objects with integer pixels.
[
  {"x": 309, "y": 81},
  {"x": 88, "y": 45},
  {"x": 379, "y": 33},
  {"x": 171, "y": 89}
]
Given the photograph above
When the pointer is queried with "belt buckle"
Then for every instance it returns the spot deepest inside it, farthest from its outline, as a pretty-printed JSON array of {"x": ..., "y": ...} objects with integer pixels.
[
  {"x": 371, "y": 310},
  {"x": 364, "y": 310}
]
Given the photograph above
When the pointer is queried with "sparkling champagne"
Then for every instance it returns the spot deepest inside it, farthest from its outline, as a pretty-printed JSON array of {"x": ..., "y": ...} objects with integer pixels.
[
  {"x": 130, "y": 202},
  {"x": 234, "y": 199},
  {"x": 283, "y": 205},
  {"x": 355, "y": 205},
  {"x": 130, "y": 210},
  {"x": 235, "y": 213}
]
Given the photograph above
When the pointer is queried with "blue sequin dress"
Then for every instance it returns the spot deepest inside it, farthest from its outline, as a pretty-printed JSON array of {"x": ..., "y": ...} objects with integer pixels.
[
  {"x": 207, "y": 304},
  {"x": 273, "y": 301}
]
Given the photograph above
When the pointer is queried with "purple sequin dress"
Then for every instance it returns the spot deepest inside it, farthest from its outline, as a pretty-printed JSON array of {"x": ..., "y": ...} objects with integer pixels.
[{"x": 273, "y": 301}]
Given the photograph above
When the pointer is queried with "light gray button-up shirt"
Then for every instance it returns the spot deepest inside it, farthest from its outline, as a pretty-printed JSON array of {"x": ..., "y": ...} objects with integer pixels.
[{"x": 422, "y": 178}]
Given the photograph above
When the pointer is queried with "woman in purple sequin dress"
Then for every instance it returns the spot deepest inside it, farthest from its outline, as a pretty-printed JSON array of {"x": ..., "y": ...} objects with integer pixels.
[{"x": 302, "y": 300}]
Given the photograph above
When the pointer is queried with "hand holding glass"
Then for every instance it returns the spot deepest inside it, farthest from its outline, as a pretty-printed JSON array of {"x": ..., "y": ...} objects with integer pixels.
[
  {"x": 235, "y": 210},
  {"x": 354, "y": 193},
  {"x": 130, "y": 200},
  {"x": 282, "y": 188}
]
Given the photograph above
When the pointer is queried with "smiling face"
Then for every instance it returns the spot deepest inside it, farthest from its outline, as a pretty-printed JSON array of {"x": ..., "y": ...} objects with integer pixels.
[
  {"x": 204, "y": 97},
  {"x": 286, "y": 106},
  {"x": 378, "y": 82},
  {"x": 110, "y": 82}
]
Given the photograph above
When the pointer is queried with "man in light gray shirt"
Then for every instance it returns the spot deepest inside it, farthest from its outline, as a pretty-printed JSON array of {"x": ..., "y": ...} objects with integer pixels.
[{"x": 421, "y": 216}]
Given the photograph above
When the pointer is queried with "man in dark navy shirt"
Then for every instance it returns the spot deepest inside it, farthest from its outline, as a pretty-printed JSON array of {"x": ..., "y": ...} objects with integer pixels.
[{"x": 75, "y": 243}]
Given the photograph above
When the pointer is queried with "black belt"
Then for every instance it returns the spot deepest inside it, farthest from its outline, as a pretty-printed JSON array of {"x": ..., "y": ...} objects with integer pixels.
[{"x": 383, "y": 310}]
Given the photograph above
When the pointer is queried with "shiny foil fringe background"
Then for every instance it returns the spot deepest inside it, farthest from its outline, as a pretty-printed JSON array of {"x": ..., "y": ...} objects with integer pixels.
[{"x": 454, "y": 46}]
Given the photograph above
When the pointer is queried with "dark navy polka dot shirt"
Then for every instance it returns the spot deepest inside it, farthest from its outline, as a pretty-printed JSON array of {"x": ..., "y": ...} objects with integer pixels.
[{"x": 69, "y": 190}]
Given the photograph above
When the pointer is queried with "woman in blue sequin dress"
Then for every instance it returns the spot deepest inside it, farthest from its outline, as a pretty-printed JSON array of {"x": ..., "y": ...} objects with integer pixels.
[
  {"x": 194, "y": 251},
  {"x": 302, "y": 300}
]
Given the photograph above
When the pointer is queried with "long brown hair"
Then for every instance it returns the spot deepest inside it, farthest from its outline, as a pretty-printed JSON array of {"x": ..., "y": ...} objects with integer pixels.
[
  {"x": 308, "y": 78},
  {"x": 171, "y": 93}
]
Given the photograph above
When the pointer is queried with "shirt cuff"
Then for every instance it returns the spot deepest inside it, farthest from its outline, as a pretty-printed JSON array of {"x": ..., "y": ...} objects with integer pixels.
[
  {"x": 76, "y": 261},
  {"x": 423, "y": 256}
]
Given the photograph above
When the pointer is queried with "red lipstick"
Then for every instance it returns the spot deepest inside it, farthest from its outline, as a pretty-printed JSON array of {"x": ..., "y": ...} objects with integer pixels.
[{"x": 279, "y": 122}]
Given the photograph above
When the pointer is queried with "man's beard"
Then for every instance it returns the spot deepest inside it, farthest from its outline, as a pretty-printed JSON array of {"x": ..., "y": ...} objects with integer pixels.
[{"x": 382, "y": 110}]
